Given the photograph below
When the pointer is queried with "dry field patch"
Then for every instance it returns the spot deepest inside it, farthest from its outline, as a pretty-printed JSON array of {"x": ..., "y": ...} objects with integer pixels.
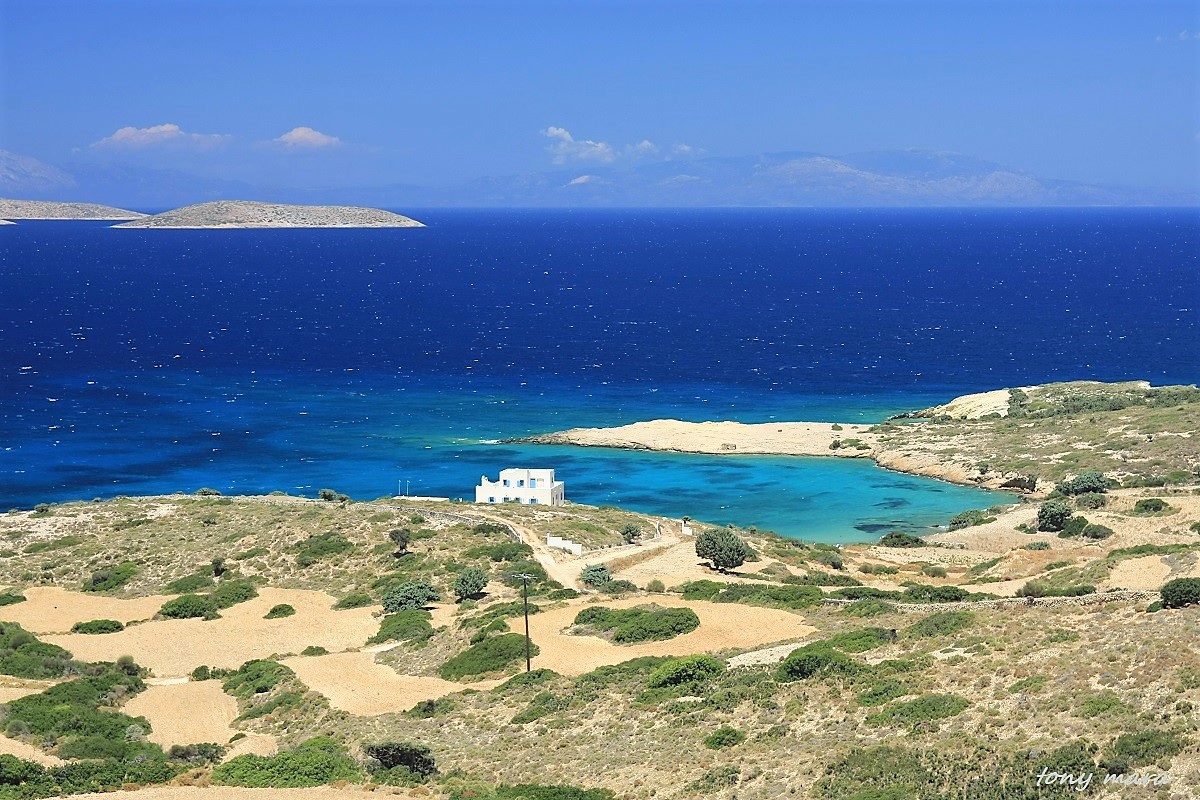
[
  {"x": 176, "y": 647},
  {"x": 186, "y": 713},
  {"x": 722, "y": 626},
  {"x": 239, "y": 793},
  {"x": 50, "y": 609},
  {"x": 354, "y": 683}
]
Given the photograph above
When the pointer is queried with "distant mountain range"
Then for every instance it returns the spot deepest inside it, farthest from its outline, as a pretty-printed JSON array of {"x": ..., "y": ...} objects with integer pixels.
[{"x": 916, "y": 178}]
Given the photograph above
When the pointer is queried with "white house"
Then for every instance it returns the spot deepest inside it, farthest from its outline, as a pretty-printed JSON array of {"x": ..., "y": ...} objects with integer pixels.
[{"x": 526, "y": 486}]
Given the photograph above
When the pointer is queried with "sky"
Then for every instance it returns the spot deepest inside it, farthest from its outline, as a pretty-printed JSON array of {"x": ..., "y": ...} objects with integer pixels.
[{"x": 348, "y": 92}]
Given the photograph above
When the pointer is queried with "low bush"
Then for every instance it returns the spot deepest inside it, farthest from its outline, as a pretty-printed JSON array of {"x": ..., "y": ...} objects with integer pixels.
[
  {"x": 1073, "y": 527},
  {"x": 1089, "y": 483},
  {"x": 356, "y": 600},
  {"x": 97, "y": 626},
  {"x": 1097, "y": 532},
  {"x": 877, "y": 569},
  {"x": 723, "y": 737},
  {"x": 543, "y": 704},
  {"x": 868, "y": 608},
  {"x": 564, "y": 594},
  {"x": 1180, "y": 592},
  {"x": 491, "y": 655},
  {"x": 314, "y": 650},
  {"x": 9, "y": 598},
  {"x": 1042, "y": 589},
  {"x": 256, "y": 677},
  {"x": 685, "y": 671},
  {"x": 416, "y": 758},
  {"x": 53, "y": 544},
  {"x": 190, "y": 606},
  {"x": 942, "y": 623},
  {"x": 111, "y": 578},
  {"x": 969, "y": 519},
  {"x": 1039, "y": 545},
  {"x": 1053, "y": 515},
  {"x": 428, "y": 709},
  {"x": 470, "y": 583},
  {"x": 527, "y": 791},
  {"x": 595, "y": 575},
  {"x": 279, "y": 611},
  {"x": 408, "y": 596},
  {"x": 619, "y": 587},
  {"x": 197, "y": 754},
  {"x": 504, "y": 551},
  {"x": 318, "y": 546},
  {"x": 933, "y": 571},
  {"x": 700, "y": 590},
  {"x": 861, "y": 640},
  {"x": 189, "y": 583},
  {"x": 881, "y": 692},
  {"x": 1091, "y": 501},
  {"x": 923, "y": 593},
  {"x": 923, "y": 709},
  {"x": 230, "y": 593},
  {"x": 410, "y": 625},
  {"x": 532, "y": 678},
  {"x": 814, "y": 659},
  {"x": 1151, "y": 505},
  {"x": 1147, "y": 747},
  {"x": 901, "y": 539},
  {"x": 632, "y": 625},
  {"x": 317, "y": 762}
]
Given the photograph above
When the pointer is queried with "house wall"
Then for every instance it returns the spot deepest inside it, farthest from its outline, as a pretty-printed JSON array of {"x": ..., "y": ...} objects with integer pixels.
[{"x": 525, "y": 486}]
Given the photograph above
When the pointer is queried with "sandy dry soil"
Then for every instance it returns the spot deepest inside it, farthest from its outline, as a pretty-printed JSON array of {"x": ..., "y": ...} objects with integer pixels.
[
  {"x": 774, "y": 438},
  {"x": 1148, "y": 573},
  {"x": 234, "y": 793},
  {"x": 27, "y": 752},
  {"x": 186, "y": 713},
  {"x": 259, "y": 744},
  {"x": 9, "y": 693},
  {"x": 49, "y": 609},
  {"x": 353, "y": 682},
  {"x": 176, "y": 647},
  {"x": 722, "y": 626},
  {"x": 677, "y": 563}
]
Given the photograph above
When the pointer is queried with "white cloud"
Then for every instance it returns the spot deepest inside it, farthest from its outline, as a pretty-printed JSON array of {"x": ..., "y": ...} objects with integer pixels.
[
  {"x": 565, "y": 147},
  {"x": 1184, "y": 36},
  {"x": 582, "y": 179},
  {"x": 682, "y": 150},
  {"x": 160, "y": 135},
  {"x": 304, "y": 136}
]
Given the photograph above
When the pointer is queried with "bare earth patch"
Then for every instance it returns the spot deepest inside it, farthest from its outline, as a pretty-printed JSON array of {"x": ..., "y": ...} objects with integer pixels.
[
  {"x": 186, "y": 713},
  {"x": 1148, "y": 573},
  {"x": 28, "y": 752},
  {"x": 50, "y": 609},
  {"x": 722, "y": 626},
  {"x": 176, "y": 647},
  {"x": 353, "y": 682},
  {"x": 258, "y": 744},
  {"x": 677, "y": 564}
]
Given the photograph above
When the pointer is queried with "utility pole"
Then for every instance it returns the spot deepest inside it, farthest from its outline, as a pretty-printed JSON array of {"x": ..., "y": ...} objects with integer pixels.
[{"x": 525, "y": 579}]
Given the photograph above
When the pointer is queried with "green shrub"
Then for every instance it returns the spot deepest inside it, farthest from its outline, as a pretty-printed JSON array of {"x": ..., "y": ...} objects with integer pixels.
[
  {"x": 409, "y": 625},
  {"x": 543, "y": 704},
  {"x": 22, "y": 655},
  {"x": 532, "y": 678},
  {"x": 1091, "y": 501},
  {"x": 721, "y": 547},
  {"x": 1085, "y": 483},
  {"x": 279, "y": 611},
  {"x": 97, "y": 626},
  {"x": 868, "y": 608},
  {"x": 655, "y": 586},
  {"x": 970, "y": 518},
  {"x": 861, "y": 640},
  {"x": 428, "y": 709},
  {"x": 942, "y": 623},
  {"x": 470, "y": 583},
  {"x": 723, "y": 737},
  {"x": 901, "y": 539},
  {"x": 197, "y": 754},
  {"x": 316, "y": 762},
  {"x": 527, "y": 791},
  {"x": 8, "y": 598},
  {"x": 595, "y": 575},
  {"x": 504, "y": 551},
  {"x": 685, "y": 671},
  {"x": 923, "y": 709},
  {"x": 230, "y": 593},
  {"x": 882, "y": 692},
  {"x": 1147, "y": 747},
  {"x": 1039, "y": 545},
  {"x": 314, "y": 650},
  {"x": 491, "y": 655},
  {"x": 933, "y": 571},
  {"x": 632, "y": 625},
  {"x": 1053, "y": 515},
  {"x": 53, "y": 544},
  {"x": 1097, "y": 532},
  {"x": 1151, "y": 505},
  {"x": 1073, "y": 527},
  {"x": 416, "y": 758},
  {"x": 256, "y": 677},
  {"x": 563, "y": 594},
  {"x": 922, "y": 593},
  {"x": 112, "y": 578},
  {"x": 188, "y": 584},
  {"x": 619, "y": 587},
  {"x": 1180, "y": 592},
  {"x": 356, "y": 600},
  {"x": 189, "y": 606},
  {"x": 1101, "y": 704},
  {"x": 408, "y": 596},
  {"x": 813, "y": 659},
  {"x": 322, "y": 545},
  {"x": 1042, "y": 589},
  {"x": 700, "y": 590}
]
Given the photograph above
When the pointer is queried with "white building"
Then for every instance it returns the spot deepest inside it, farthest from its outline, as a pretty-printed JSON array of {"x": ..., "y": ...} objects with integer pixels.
[{"x": 526, "y": 486}]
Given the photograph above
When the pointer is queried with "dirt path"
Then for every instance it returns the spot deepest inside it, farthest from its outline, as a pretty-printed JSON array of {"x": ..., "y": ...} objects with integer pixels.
[
  {"x": 176, "y": 647},
  {"x": 186, "y": 713},
  {"x": 353, "y": 682},
  {"x": 722, "y": 626},
  {"x": 49, "y": 609}
]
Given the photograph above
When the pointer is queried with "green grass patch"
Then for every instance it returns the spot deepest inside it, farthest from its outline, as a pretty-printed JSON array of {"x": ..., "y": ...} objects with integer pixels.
[
  {"x": 928, "y": 708},
  {"x": 632, "y": 625},
  {"x": 115, "y": 577},
  {"x": 97, "y": 626},
  {"x": 942, "y": 623},
  {"x": 318, "y": 546},
  {"x": 356, "y": 600},
  {"x": 53, "y": 544}
]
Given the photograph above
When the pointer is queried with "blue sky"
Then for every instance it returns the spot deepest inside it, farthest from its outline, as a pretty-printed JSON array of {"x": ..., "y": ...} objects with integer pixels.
[{"x": 348, "y": 93}]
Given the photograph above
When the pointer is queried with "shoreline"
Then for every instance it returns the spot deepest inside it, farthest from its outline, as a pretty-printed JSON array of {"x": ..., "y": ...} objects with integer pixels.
[{"x": 813, "y": 439}]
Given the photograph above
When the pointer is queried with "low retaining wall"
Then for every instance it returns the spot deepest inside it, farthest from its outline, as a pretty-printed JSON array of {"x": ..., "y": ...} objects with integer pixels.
[{"x": 1131, "y": 595}]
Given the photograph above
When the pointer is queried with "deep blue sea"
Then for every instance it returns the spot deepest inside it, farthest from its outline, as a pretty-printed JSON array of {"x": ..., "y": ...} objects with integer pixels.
[{"x": 140, "y": 361}]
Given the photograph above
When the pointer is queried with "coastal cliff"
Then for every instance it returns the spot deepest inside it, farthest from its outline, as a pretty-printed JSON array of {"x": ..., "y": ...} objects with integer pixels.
[
  {"x": 45, "y": 209},
  {"x": 250, "y": 214}
]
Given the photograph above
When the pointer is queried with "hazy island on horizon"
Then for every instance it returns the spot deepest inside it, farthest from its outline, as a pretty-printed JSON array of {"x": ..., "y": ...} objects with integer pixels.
[{"x": 254, "y": 214}]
